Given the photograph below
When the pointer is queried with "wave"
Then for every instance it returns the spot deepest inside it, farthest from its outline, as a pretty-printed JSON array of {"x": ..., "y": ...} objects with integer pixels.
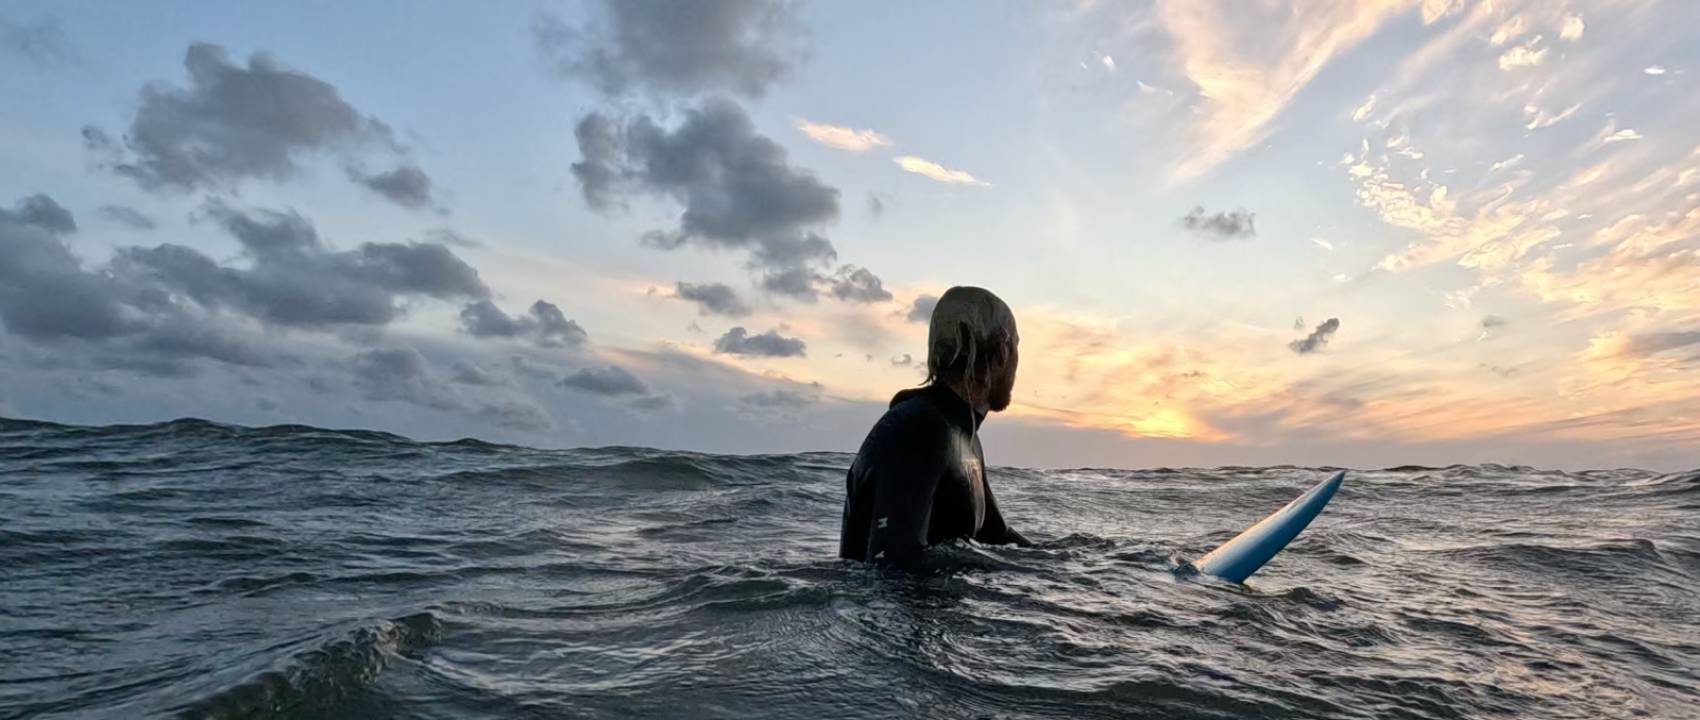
[{"x": 318, "y": 681}]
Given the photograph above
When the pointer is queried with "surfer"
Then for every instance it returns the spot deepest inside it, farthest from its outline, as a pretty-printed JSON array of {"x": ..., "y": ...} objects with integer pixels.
[{"x": 919, "y": 478}]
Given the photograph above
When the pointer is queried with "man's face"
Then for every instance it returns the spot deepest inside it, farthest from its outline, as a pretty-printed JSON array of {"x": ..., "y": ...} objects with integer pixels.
[{"x": 1003, "y": 382}]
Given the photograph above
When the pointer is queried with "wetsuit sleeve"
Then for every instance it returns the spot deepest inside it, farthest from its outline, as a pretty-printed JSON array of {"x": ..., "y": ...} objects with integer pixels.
[
  {"x": 995, "y": 531},
  {"x": 906, "y": 476}
]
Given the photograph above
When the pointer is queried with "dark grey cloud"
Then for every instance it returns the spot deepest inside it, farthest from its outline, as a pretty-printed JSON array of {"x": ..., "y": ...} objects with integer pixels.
[
  {"x": 780, "y": 398},
  {"x": 467, "y": 372},
  {"x": 876, "y": 204},
  {"x": 1221, "y": 225},
  {"x": 663, "y": 48},
  {"x": 609, "y": 380},
  {"x": 403, "y": 375},
  {"x": 739, "y": 341},
  {"x": 44, "y": 291},
  {"x": 712, "y": 299},
  {"x": 796, "y": 283},
  {"x": 737, "y": 187},
  {"x": 1490, "y": 322},
  {"x": 516, "y": 415},
  {"x": 400, "y": 375},
  {"x": 42, "y": 212},
  {"x": 1317, "y": 339},
  {"x": 904, "y": 360},
  {"x": 128, "y": 217},
  {"x": 41, "y": 44},
  {"x": 544, "y": 324},
  {"x": 922, "y": 310},
  {"x": 406, "y": 185},
  {"x": 295, "y": 279},
  {"x": 1653, "y": 343},
  {"x": 857, "y": 284},
  {"x": 164, "y": 309},
  {"x": 655, "y": 402},
  {"x": 525, "y": 367},
  {"x": 238, "y": 122}
]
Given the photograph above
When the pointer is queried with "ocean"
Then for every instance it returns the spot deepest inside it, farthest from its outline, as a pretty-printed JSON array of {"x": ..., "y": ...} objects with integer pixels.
[{"x": 193, "y": 569}]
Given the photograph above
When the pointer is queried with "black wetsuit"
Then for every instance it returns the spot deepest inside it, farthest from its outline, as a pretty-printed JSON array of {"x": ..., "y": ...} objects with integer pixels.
[{"x": 919, "y": 480}]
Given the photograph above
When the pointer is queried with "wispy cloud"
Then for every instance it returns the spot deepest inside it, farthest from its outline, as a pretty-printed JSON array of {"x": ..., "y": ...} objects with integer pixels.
[
  {"x": 1248, "y": 66},
  {"x": 843, "y": 138},
  {"x": 934, "y": 171}
]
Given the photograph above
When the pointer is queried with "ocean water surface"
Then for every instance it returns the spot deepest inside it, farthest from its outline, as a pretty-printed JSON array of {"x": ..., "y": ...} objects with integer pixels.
[{"x": 195, "y": 569}]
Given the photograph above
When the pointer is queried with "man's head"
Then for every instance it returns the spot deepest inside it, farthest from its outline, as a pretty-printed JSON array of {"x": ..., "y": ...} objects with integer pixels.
[{"x": 972, "y": 344}]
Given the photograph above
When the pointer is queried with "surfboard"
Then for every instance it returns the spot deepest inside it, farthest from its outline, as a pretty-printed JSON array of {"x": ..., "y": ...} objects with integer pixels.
[{"x": 1238, "y": 558}]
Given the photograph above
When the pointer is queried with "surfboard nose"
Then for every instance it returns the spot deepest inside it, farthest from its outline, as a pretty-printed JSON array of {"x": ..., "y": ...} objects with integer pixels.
[{"x": 1238, "y": 558}]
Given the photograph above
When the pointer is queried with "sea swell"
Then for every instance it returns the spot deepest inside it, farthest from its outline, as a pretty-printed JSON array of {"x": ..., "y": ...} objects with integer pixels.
[{"x": 193, "y": 569}]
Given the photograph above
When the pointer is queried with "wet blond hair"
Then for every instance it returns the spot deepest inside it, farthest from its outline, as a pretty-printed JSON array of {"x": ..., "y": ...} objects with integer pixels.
[{"x": 968, "y": 325}]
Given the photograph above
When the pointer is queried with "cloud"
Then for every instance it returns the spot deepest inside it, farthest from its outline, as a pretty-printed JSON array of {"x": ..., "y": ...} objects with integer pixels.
[
  {"x": 781, "y": 398},
  {"x": 856, "y": 284},
  {"x": 451, "y": 237},
  {"x": 403, "y": 375},
  {"x": 739, "y": 341},
  {"x": 712, "y": 299},
  {"x": 295, "y": 279},
  {"x": 795, "y": 283},
  {"x": 921, "y": 310},
  {"x": 655, "y": 402},
  {"x": 1249, "y": 63},
  {"x": 1654, "y": 70},
  {"x": 934, "y": 171},
  {"x": 406, "y": 185},
  {"x": 44, "y": 291},
  {"x": 904, "y": 360},
  {"x": 1610, "y": 134},
  {"x": 128, "y": 217},
  {"x": 1490, "y": 322},
  {"x": 1541, "y": 118},
  {"x": 665, "y": 48},
  {"x": 1573, "y": 28},
  {"x": 544, "y": 324},
  {"x": 158, "y": 310},
  {"x": 41, "y": 44},
  {"x": 1523, "y": 56},
  {"x": 471, "y": 373},
  {"x": 843, "y": 138},
  {"x": 876, "y": 204},
  {"x": 736, "y": 186},
  {"x": 1221, "y": 225},
  {"x": 400, "y": 375},
  {"x": 516, "y": 415},
  {"x": 608, "y": 381},
  {"x": 1317, "y": 339},
  {"x": 1653, "y": 343},
  {"x": 235, "y": 123},
  {"x": 43, "y": 212}
]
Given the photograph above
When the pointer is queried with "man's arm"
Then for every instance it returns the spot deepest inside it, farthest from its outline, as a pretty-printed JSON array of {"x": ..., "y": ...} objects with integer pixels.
[
  {"x": 995, "y": 531},
  {"x": 906, "y": 476}
]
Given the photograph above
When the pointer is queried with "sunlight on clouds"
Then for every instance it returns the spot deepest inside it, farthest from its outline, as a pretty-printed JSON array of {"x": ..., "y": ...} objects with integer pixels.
[
  {"x": 1601, "y": 229},
  {"x": 934, "y": 171},
  {"x": 1249, "y": 65},
  {"x": 841, "y": 137}
]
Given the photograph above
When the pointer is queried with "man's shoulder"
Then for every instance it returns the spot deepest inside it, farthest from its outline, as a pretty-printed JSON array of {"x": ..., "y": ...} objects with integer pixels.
[{"x": 914, "y": 409}]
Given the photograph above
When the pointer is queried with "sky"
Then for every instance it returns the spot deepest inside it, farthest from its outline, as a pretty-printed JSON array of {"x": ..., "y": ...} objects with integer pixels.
[{"x": 1320, "y": 233}]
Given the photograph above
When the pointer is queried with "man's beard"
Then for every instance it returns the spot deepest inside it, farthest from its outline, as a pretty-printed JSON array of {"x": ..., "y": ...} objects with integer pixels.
[{"x": 1000, "y": 397}]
